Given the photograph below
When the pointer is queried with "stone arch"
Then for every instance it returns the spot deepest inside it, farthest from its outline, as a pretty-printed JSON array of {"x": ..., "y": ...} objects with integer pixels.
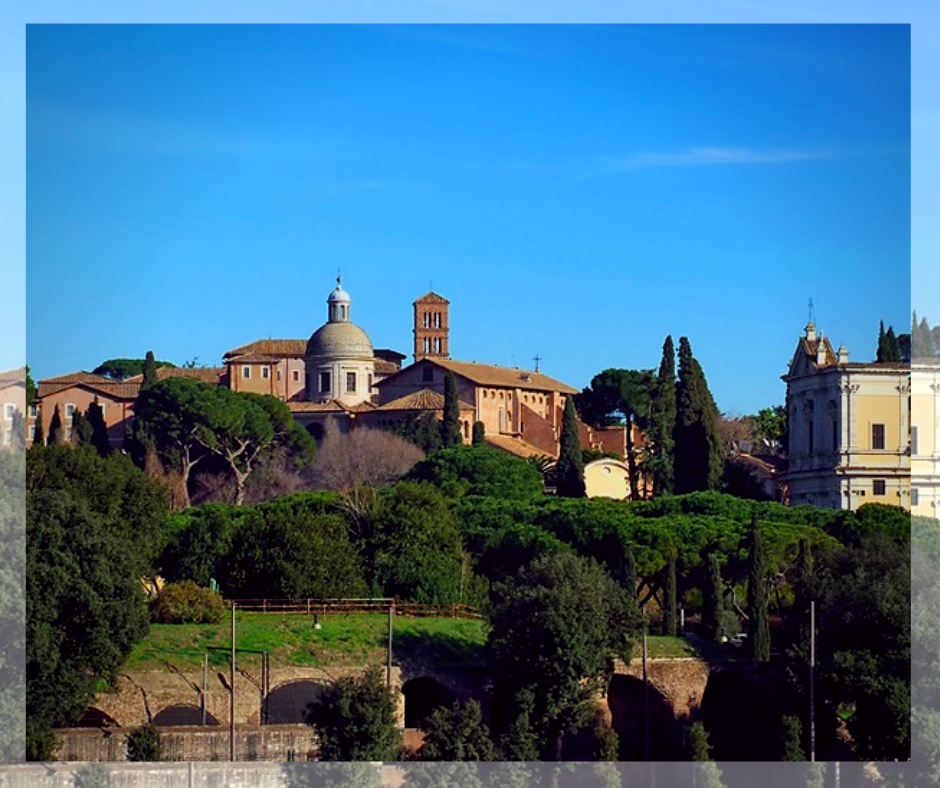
[
  {"x": 625, "y": 699},
  {"x": 183, "y": 714},
  {"x": 741, "y": 710},
  {"x": 95, "y": 718},
  {"x": 422, "y": 696},
  {"x": 291, "y": 703}
]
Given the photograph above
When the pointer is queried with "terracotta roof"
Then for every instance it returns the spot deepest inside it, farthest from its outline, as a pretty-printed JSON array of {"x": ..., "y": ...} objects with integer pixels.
[
  {"x": 514, "y": 446},
  {"x": 205, "y": 374},
  {"x": 425, "y": 399},
  {"x": 382, "y": 367},
  {"x": 255, "y": 358},
  {"x": 332, "y": 406},
  {"x": 13, "y": 376},
  {"x": 114, "y": 389},
  {"x": 270, "y": 347},
  {"x": 53, "y": 385},
  {"x": 431, "y": 298},
  {"x": 811, "y": 346},
  {"x": 502, "y": 377}
]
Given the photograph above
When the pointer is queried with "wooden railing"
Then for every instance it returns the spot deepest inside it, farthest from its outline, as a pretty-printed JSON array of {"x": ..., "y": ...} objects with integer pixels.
[{"x": 349, "y": 606}]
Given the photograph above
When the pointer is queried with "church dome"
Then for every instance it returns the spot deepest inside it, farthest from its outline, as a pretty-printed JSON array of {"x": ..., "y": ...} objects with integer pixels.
[
  {"x": 340, "y": 340},
  {"x": 338, "y": 296}
]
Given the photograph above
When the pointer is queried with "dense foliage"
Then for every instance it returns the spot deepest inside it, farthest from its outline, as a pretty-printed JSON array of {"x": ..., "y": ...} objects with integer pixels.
[
  {"x": 187, "y": 603},
  {"x": 569, "y": 471},
  {"x": 480, "y": 470}
]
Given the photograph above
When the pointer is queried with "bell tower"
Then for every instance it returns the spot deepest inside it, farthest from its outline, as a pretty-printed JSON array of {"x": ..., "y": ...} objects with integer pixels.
[{"x": 431, "y": 327}]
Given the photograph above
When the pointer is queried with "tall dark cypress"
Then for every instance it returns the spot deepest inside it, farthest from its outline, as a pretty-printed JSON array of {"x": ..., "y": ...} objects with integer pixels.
[
  {"x": 450, "y": 425},
  {"x": 892, "y": 346},
  {"x": 699, "y": 455},
  {"x": 99, "y": 430},
  {"x": 570, "y": 468},
  {"x": 663, "y": 417},
  {"x": 629, "y": 572},
  {"x": 880, "y": 354},
  {"x": 150, "y": 370},
  {"x": 671, "y": 613},
  {"x": 38, "y": 438},
  {"x": 758, "y": 632},
  {"x": 56, "y": 431},
  {"x": 711, "y": 613}
]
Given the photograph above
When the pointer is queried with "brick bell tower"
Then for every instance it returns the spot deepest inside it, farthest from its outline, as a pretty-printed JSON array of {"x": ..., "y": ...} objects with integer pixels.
[{"x": 431, "y": 327}]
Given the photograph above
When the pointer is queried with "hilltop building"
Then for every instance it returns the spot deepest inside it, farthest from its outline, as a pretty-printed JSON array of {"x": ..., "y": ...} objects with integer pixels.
[
  {"x": 925, "y": 438},
  {"x": 12, "y": 401},
  {"x": 849, "y": 428}
]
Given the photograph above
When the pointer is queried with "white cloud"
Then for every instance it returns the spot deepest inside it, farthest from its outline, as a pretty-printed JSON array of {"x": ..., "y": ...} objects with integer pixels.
[{"x": 700, "y": 156}]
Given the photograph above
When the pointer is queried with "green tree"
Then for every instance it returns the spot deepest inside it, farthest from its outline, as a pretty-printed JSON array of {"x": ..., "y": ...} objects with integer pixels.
[
  {"x": 30, "y": 388},
  {"x": 569, "y": 470},
  {"x": 792, "y": 740},
  {"x": 770, "y": 425},
  {"x": 123, "y": 368},
  {"x": 38, "y": 438},
  {"x": 663, "y": 418},
  {"x": 457, "y": 734},
  {"x": 892, "y": 346},
  {"x": 619, "y": 396},
  {"x": 82, "y": 430},
  {"x": 355, "y": 720},
  {"x": 670, "y": 613},
  {"x": 699, "y": 455},
  {"x": 56, "y": 430},
  {"x": 99, "y": 430},
  {"x": 450, "y": 424},
  {"x": 149, "y": 371},
  {"x": 758, "y": 628},
  {"x": 480, "y": 470},
  {"x": 18, "y": 430},
  {"x": 711, "y": 613},
  {"x": 922, "y": 339},
  {"x": 520, "y": 743},
  {"x": 698, "y": 742},
  {"x": 880, "y": 354},
  {"x": 553, "y": 628},
  {"x": 816, "y": 775},
  {"x": 479, "y": 433},
  {"x": 143, "y": 744}
]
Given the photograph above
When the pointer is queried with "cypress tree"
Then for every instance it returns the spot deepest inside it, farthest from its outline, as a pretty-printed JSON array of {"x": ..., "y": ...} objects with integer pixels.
[
  {"x": 629, "y": 572},
  {"x": 570, "y": 468},
  {"x": 880, "y": 353},
  {"x": 671, "y": 613},
  {"x": 149, "y": 371},
  {"x": 663, "y": 417},
  {"x": 38, "y": 437},
  {"x": 792, "y": 739},
  {"x": 450, "y": 425},
  {"x": 699, "y": 456},
  {"x": 711, "y": 614},
  {"x": 892, "y": 346},
  {"x": 56, "y": 432},
  {"x": 81, "y": 429},
  {"x": 99, "y": 430},
  {"x": 758, "y": 629},
  {"x": 479, "y": 433}
]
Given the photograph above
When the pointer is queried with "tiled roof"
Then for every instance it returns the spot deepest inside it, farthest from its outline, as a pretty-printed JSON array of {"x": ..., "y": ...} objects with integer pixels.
[
  {"x": 385, "y": 367},
  {"x": 514, "y": 446},
  {"x": 332, "y": 406},
  {"x": 502, "y": 377},
  {"x": 205, "y": 374},
  {"x": 425, "y": 399},
  {"x": 270, "y": 347},
  {"x": 811, "y": 346},
  {"x": 431, "y": 298},
  {"x": 13, "y": 376}
]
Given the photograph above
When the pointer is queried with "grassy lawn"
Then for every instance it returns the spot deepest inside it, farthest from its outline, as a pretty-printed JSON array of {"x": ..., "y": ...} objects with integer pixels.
[
  {"x": 661, "y": 647},
  {"x": 291, "y": 640}
]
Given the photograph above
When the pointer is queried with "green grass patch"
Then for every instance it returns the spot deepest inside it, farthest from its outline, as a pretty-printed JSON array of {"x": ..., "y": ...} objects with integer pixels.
[{"x": 291, "y": 639}]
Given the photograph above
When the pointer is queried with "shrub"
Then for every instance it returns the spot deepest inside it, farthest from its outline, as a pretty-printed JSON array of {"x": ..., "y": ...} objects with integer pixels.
[
  {"x": 187, "y": 603},
  {"x": 143, "y": 744}
]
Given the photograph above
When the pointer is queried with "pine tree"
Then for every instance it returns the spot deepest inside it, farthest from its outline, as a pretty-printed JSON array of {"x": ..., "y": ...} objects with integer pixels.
[
  {"x": 758, "y": 629},
  {"x": 99, "y": 430},
  {"x": 670, "y": 614},
  {"x": 663, "y": 417},
  {"x": 711, "y": 614},
  {"x": 150, "y": 370},
  {"x": 570, "y": 468},
  {"x": 479, "y": 433},
  {"x": 450, "y": 425},
  {"x": 699, "y": 456},
  {"x": 56, "y": 431}
]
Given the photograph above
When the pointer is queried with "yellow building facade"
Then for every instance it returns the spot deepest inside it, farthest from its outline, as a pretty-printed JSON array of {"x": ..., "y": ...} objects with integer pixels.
[
  {"x": 925, "y": 438},
  {"x": 849, "y": 428}
]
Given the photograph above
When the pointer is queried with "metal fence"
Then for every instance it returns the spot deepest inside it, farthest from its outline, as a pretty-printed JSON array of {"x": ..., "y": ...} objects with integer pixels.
[{"x": 349, "y": 606}]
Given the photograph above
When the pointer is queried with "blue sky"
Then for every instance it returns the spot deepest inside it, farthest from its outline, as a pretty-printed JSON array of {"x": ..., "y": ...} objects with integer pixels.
[{"x": 577, "y": 192}]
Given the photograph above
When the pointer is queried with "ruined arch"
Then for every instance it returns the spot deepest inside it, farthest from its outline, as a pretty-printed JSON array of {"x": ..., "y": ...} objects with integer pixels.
[
  {"x": 422, "y": 696},
  {"x": 292, "y": 702},
  {"x": 94, "y": 718}
]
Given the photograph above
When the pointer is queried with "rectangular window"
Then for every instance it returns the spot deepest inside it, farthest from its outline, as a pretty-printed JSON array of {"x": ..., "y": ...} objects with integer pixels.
[
  {"x": 265, "y": 373},
  {"x": 350, "y": 382},
  {"x": 296, "y": 376},
  {"x": 246, "y": 372},
  {"x": 428, "y": 373},
  {"x": 877, "y": 436},
  {"x": 370, "y": 381},
  {"x": 427, "y": 319},
  {"x": 8, "y": 410},
  {"x": 437, "y": 320},
  {"x": 437, "y": 344},
  {"x": 915, "y": 496},
  {"x": 33, "y": 411},
  {"x": 878, "y": 487},
  {"x": 325, "y": 383},
  {"x": 810, "y": 436},
  {"x": 914, "y": 440},
  {"x": 279, "y": 375},
  {"x": 31, "y": 432},
  {"x": 69, "y": 410}
]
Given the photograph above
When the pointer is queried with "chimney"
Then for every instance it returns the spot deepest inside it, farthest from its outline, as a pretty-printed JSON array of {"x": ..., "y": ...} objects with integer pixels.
[
  {"x": 843, "y": 355},
  {"x": 811, "y": 331},
  {"x": 821, "y": 351}
]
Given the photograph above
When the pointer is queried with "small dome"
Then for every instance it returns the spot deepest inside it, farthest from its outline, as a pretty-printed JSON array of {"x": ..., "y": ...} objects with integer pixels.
[
  {"x": 338, "y": 296},
  {"x": 340, "y": 340}
]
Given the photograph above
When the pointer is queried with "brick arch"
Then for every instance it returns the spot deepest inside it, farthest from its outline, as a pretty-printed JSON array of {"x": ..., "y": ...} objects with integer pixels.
[
  {"x": 94, "y": 717},
  {"x": 291, "y": 701}
]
